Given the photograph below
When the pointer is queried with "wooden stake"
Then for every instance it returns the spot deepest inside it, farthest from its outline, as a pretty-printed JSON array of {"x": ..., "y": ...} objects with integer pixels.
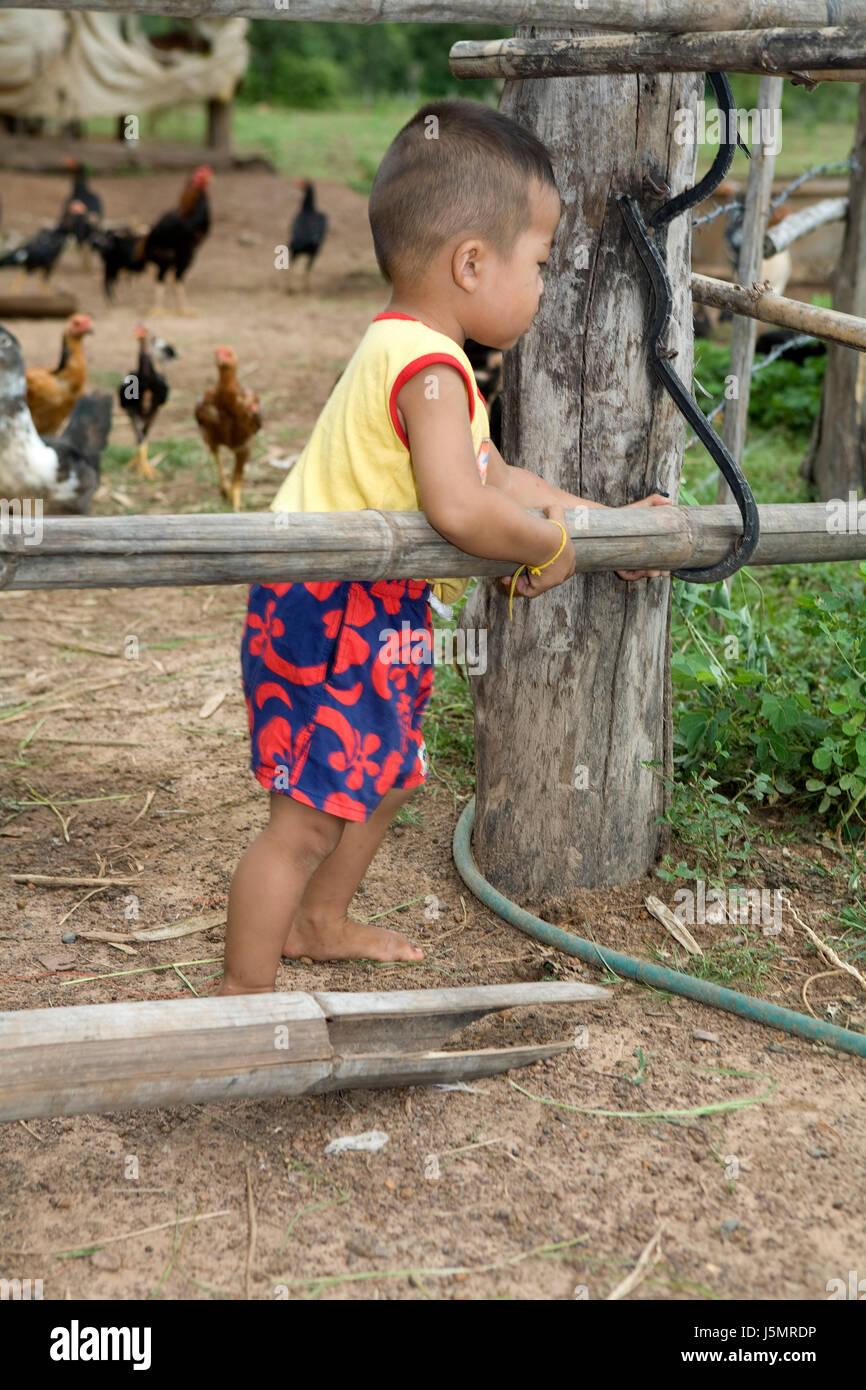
[
  {"x": 836, "y": 460},
  {"x": 757, "y": 210},
  {"x": 219, "y": 124}
]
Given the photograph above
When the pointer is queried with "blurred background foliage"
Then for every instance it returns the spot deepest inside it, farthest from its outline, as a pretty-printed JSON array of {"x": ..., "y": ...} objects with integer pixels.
[{"x": 312, "y": 66}]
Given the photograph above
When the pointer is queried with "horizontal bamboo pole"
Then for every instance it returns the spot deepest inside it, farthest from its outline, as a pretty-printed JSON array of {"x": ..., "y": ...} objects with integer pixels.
[
  {"x": 89, "y": 1058},
  {"x": 658, "y": 16},
  {"x": 102, "y": 552},
  {"x": 741, "y": 50},
  {"x": 775, "y": 308},
  {"x": 800, "y": 224}
]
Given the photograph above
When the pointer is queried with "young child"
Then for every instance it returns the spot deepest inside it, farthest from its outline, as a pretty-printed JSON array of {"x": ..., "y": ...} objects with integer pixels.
[{"x": 463, "y": 211}]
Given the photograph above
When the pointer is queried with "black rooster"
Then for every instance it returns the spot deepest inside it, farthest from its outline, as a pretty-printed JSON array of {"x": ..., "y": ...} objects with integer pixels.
[
  {"x": 142, "y": 394},
  {"x": 41, "y": 253},
  {"x": 308, "y": 228},
  {"x": 80, "y": 222},
  {"x": 172, "y": 242},
  {"x": 62, "y": 471}
]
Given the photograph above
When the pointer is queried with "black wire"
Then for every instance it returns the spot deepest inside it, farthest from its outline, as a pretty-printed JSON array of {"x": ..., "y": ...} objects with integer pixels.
[{"x": 652, "y": 255}]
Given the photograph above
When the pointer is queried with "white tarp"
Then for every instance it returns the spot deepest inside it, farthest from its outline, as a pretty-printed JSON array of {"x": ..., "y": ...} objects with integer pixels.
[{"x": 73, "y": 66}]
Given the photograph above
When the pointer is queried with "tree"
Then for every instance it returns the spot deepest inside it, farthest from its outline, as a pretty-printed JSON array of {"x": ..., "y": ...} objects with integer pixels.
[{"x": 576, "y": 695}]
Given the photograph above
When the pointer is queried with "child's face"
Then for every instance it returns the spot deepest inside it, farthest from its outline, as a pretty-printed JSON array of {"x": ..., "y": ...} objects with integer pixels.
[{"x": 510, "y": 287}]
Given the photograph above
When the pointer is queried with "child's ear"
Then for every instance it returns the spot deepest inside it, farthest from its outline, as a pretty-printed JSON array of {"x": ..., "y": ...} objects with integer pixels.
[{"x": 465, "y": 264}]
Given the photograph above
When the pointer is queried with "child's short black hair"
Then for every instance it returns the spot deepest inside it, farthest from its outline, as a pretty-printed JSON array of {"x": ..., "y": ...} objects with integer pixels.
[{"x": 456, "y": 167}]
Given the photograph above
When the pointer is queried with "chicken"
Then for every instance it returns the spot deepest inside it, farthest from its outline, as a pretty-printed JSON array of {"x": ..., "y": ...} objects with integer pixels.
[
  {"x": 63, "y": 473},
  {"x": 142, "y": 394},
  {"x": 228, "y": 415},
  {"x": 308, "y": 229},
  {"x": 119, "y": 249},
  {"x": 81, "y": 212},
  {"x": 172, "y": 242},
  {"x": 41, "y": 253},
  {"x": 52, "y": 394}
]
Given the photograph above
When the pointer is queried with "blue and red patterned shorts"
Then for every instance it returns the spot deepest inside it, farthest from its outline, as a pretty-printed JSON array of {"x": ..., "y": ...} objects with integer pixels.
[{"x": 336, "y": 679}]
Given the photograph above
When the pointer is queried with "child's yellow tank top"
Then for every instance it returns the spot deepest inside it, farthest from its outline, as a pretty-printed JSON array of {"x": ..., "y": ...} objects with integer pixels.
[{"x": 358, "y": 453}]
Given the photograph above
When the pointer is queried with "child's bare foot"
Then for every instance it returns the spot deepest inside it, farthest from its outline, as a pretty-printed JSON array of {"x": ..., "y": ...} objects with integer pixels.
[
  {"x": 347, "y": 940},
  {"x": 227, "y": 986}
]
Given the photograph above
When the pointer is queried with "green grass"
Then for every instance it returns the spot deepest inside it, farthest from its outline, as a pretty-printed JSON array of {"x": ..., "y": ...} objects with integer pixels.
[
  {"x": 449, "y": 730},
  {"x": 745, "y": 965},
  {"x": 345, "y": 145},
  {"x": 802, "y": 146},
  {"x": 816, "y": 127},
  {"x": 184, "y": 460}
]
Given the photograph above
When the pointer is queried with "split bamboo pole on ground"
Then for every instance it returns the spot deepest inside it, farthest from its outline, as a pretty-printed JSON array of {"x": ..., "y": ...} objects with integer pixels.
[
  {"x": 91, "y": 1058},
  {"x": 769, "y": 307},
  {"x": 128, "y": 552},
  {"x": 761, "y": 51}
]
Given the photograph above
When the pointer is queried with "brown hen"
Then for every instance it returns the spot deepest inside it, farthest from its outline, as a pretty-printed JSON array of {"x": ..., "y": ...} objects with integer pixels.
[
  {"x": 228, "y": 416},
  {"x": 51, "y": 394}
]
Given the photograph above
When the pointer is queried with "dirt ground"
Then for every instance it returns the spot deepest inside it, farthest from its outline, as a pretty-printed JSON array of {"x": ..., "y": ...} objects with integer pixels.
[{"x": 527, "y": 1201}]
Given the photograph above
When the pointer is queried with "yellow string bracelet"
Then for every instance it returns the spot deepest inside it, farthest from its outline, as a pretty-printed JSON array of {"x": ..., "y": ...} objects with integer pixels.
[{"x": 536, "y": 569}]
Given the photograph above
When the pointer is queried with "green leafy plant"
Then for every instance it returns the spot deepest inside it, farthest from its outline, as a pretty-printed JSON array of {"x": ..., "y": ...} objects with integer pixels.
[
  {"x": 776, "y": 716},
  {"x": 712, "y": 827},
  {"x": 642, "y": 1068},
  {"x": 841, "y": 754}
]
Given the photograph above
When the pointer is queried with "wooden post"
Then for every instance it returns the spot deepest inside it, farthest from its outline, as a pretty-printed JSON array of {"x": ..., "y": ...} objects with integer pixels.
[
  {"x": 836, "y": 461},
  {"x": 219, "y": 124},
  {"x": 758, "y": 193},
  {"x": 575, "y": 697}
]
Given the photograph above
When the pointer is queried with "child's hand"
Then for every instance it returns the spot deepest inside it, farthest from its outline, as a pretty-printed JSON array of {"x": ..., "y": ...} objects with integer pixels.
[
  {"x": 655, "y": 499},
  {"x": 531, "y": 585}
]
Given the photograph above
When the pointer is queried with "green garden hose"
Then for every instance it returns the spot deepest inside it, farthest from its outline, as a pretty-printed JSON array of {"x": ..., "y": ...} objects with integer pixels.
[{"x": 656, "y": 976}]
